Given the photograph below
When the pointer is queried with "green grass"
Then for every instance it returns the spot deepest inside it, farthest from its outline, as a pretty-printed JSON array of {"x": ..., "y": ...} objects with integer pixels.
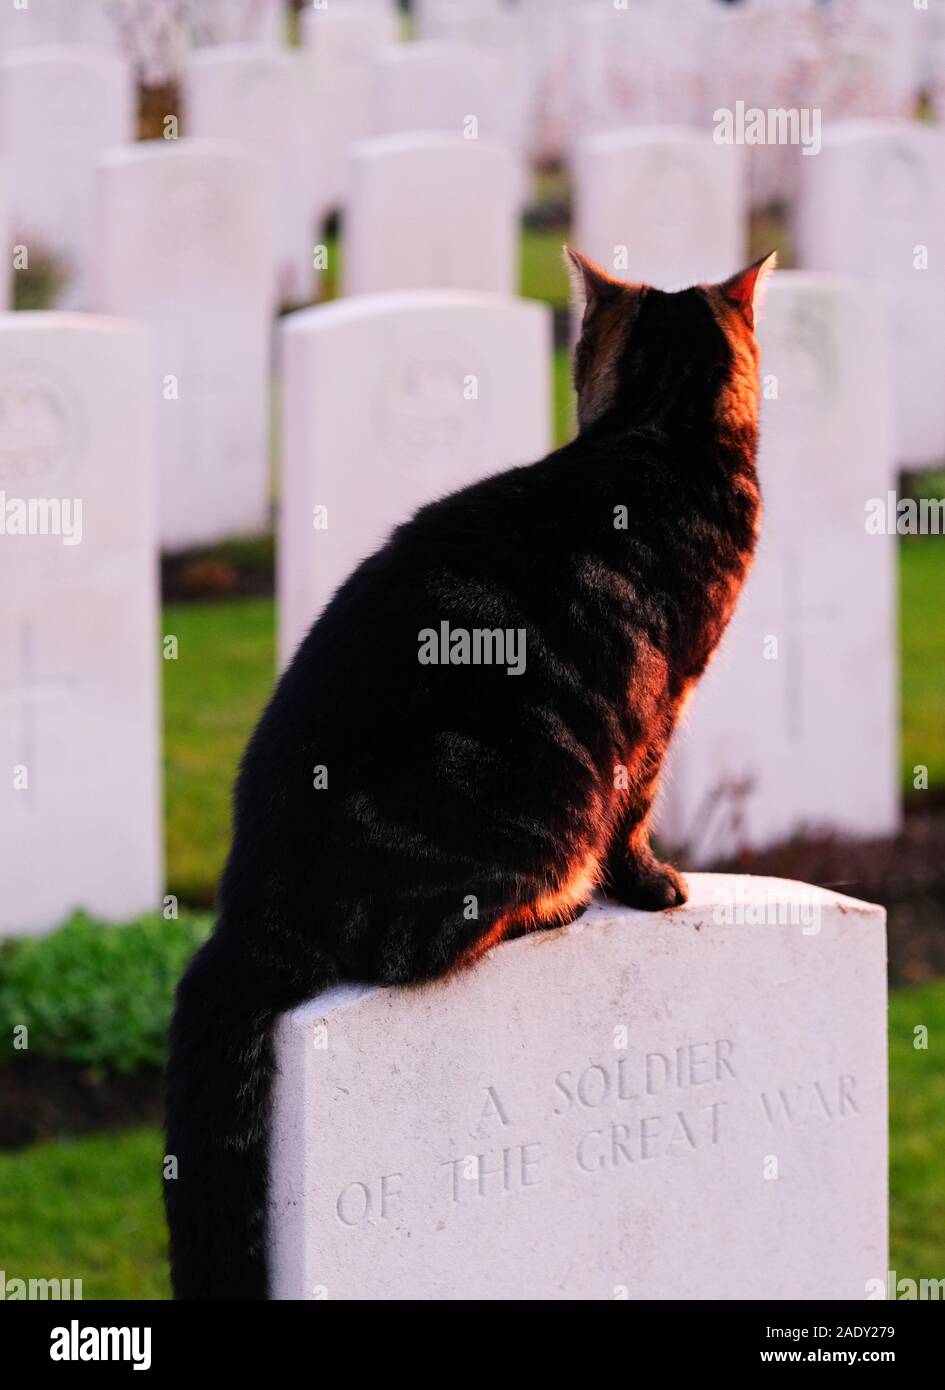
[
  {"x": 917, "y": 1133},
  {"x": 91, "y": 1208},
  {"x": 88, "y": 1209},
  {"x": 213, "y": 695},
  {"x": 922, "y": 639}
]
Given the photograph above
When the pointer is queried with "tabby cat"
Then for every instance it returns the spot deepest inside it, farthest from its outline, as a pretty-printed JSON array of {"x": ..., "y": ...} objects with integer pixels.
[{"x": 520, "y": 788}]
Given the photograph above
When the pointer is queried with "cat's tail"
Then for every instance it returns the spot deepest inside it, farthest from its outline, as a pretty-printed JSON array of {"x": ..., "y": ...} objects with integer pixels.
[{"x": 218, "y": 1098}]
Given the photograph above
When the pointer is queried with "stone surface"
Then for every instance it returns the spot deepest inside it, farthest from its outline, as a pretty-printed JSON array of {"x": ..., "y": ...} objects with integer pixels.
[
  {"x": 59, "y": 21},
  {"x": 662, "y": 205},
  {"x": 185, "y": 238},
  {"x": 433, "y": 85},
  {"x": 339, "y": 45},
  {"x": 795, "y": 724},
  {"x": 678, "y": 1105},
  {"x": 390, "y": 401},
  {"x": 80, "y": 800},
  {"x": 870, "y": 202},
  {"x": 60, "y": 109},
  {"x": 431, "y": 211},
  {"x": 264, "y": 95}
]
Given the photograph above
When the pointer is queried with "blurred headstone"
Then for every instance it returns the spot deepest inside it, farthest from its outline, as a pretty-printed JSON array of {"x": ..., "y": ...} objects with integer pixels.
[
  {"x": 438, "y": 86},
  {"x": 662, "y": 205},
  {"x": 431, "y": 211},
  {"x": 263, "y": 95},
  {"x": 873, "y": 205},
  {"x": 60, "y": 108},
  {"x": 391, "y": 401},
  {"x": 794, "y": 726},
  {"x": 237, "y": 21},
  {"x": 185, "y": 244},
  {"x": 80, "y": 792},
  {"x": 339, "y": 45}
]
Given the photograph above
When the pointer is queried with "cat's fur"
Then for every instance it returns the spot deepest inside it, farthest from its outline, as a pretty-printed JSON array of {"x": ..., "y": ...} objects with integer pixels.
[{"x": 446, "y": 782}]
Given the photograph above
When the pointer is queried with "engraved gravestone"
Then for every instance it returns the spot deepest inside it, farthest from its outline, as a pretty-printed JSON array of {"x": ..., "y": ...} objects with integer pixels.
[
  {"x": 794, "y": 726},
  {"x": 431, "y": 211},
  {"x": 873, "y": 205},
  {"x": 263, "y": 95},
  {"x": 185, "y": 238},
  {"x": 641, "y": 1106},
  {"x": 640, "y": 193},
  {"x": 80, "y": 812},
  {"x": 391, "y": 401},
  {"x": 60, "y": 108}
]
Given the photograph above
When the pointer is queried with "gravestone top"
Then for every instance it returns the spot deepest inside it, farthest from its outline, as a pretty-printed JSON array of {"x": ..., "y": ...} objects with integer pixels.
[{"x": 636, "y": 1106}]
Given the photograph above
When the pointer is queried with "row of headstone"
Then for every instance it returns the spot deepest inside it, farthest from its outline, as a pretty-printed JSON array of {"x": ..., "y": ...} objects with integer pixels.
[
  {"x": 157, "y": 34},
  {"x": 643, "y": 62}
]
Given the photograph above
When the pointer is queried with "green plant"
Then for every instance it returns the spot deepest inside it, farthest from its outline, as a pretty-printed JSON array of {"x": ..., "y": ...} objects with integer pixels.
[{"x": 98, "y": 996}]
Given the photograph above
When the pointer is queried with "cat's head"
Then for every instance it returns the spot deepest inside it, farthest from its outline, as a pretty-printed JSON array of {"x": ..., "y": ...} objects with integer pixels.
[{"x": 646, "y": 354}]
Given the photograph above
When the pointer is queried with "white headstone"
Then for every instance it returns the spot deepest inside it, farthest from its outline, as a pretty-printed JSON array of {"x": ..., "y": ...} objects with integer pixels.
[
  {"x": 340, "y": 44},
  {"x": 186, "y": 245},
  {"x": 60, "y": 109},
  {"x": 637, "y": 65},
  {"x": 238, "y": 21},
  {"x": 548, "y": 45},
  {"x": 502, "y": 32},
  {"x": 263, "y": 95},
  {"x": 80, "y": 792},
  {"x": 873, "y": 205},
  {"x": 431, "y": 211},
  {"x": 662, "y": 205},
  {"x": 390, "y": 401},
  {"x": 759, "y": 58},
  {"x": 59, "y": 21},
  {"x": 794, "y": 726},
  {"x": 871, "y": 60},
  {"x": 439, "y": 86},
  {"x": 6, "y": 233},
  {"x": 689, "y": 1105}
]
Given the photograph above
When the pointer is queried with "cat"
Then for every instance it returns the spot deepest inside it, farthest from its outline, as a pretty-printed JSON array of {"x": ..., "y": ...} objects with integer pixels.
[{"x": 381, "y": 794}]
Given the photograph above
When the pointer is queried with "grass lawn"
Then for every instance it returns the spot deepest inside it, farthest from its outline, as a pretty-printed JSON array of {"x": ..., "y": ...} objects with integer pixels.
[
  {"x": 91, "y": 1208},
  {"x": 922, "y": 639},
  {"x": 213, "y": 694}
]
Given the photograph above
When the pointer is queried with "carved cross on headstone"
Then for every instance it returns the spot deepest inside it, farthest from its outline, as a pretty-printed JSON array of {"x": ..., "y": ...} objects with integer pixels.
[
  {"x": 28, "y": 690},
  {"x": 791, "y": 623}
]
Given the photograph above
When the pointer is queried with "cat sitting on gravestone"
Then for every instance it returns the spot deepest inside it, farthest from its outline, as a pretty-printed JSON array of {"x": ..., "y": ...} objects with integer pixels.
[{"x": 468, "y": 741}]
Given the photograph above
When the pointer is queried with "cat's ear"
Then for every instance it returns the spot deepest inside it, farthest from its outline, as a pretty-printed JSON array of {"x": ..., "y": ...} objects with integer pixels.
[
  {"x": 589, "y": 284},
  {"x": 746, "y": 290}
]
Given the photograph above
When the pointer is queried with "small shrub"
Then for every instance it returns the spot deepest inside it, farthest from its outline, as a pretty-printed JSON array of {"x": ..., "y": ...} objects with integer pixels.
[{"x": 98, "y": 996}]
